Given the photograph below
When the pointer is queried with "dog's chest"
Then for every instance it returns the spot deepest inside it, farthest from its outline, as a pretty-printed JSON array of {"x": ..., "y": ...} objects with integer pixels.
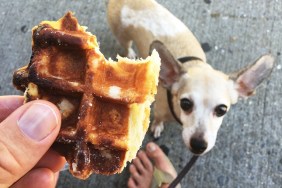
[{"x": 157, "y": 20}]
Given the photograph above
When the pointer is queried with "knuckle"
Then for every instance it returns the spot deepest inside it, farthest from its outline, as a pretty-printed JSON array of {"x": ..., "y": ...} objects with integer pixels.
[{"x": 9, "y": 165}]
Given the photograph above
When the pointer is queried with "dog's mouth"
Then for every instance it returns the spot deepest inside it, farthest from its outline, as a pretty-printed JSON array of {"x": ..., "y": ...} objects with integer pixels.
[{"x": 197, "y": 152}]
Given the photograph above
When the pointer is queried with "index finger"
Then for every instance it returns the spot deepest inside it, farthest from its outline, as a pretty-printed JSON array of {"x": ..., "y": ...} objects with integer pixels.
[{"x": 8, "y": 104}]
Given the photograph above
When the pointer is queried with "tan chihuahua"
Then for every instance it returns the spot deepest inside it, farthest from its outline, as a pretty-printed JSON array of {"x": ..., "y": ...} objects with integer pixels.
[{"x": 191, "y": 91}]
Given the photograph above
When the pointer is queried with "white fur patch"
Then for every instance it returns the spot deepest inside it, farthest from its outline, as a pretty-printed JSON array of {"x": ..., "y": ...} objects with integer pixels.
[
  {"x": 158, "y": 20},
  {"x": 232, "y": 92}
]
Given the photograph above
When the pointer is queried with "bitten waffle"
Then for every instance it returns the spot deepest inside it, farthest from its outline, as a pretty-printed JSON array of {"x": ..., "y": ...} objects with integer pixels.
[{"x": 105, "y": 105}]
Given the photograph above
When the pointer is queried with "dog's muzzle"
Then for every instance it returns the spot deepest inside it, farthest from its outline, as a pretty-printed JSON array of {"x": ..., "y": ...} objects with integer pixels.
[{"x": 198, "y": 146}]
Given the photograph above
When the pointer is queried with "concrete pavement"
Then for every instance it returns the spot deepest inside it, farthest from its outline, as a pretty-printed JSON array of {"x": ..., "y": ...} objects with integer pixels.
[{"x": 248, "y": 150}]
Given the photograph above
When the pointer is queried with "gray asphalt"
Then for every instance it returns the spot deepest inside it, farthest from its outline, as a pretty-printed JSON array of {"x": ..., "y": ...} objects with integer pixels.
[{"x": 233, "y": 33}]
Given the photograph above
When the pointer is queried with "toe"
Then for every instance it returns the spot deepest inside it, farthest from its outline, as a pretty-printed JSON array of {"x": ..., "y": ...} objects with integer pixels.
[
  {"x": 140, "y": 175},
  {"x": 145, "y": 160},
  {"x": 134, "y": 173},
  {"x": 131, "y": 183},
  {"x": 139, "y": 166},
  {"x": 160, "y": 160},
  {"x": 155, "y": 152}
]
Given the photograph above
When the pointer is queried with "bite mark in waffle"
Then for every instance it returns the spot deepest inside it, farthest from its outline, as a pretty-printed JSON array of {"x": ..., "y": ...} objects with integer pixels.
[{"x": 105, "y": 105}]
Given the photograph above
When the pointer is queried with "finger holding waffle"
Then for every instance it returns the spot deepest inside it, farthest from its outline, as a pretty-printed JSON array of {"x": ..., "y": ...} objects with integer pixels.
[{"x": 105, "y": 105}]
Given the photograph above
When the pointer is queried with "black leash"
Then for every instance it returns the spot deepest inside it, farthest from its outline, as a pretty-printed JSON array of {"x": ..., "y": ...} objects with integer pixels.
[
  {"x": 184, "y": 171},
  {"x": 192, "y": 161}
]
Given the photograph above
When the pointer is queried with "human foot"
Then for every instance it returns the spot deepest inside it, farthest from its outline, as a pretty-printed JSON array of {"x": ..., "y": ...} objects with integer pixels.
[{"x": 142, "y": 169}]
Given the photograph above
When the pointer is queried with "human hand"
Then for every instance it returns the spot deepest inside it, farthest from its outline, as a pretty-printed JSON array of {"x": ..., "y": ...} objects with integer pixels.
[{"x": 26, "y": 134}]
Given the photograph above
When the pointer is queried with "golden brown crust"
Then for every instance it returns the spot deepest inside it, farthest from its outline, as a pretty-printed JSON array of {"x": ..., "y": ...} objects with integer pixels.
[{"x": 104, "y": 105}]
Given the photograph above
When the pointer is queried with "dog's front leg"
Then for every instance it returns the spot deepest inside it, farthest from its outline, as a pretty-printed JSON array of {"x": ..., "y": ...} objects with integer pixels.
[
  {"x": 129, "y": 52},
  {"x": 157, "y": 128},
  {"x": 126, "y": 43}
]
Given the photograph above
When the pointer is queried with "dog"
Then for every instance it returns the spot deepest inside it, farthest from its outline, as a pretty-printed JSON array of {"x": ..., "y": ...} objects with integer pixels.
[{"x": 190, "y": 90}]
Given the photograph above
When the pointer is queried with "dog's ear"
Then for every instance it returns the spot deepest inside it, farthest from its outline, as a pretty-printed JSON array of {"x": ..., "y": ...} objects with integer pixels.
[
  {"x": 247, "y": 79},
  {"x": 170, "y": 67}
]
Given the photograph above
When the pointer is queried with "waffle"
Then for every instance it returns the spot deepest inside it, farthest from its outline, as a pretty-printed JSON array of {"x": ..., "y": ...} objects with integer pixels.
[{"x": 105, "y": 105}]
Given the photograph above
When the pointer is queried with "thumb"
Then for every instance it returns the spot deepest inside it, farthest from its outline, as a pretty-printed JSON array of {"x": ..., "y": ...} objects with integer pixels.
[{"x": 25, "y": 136}]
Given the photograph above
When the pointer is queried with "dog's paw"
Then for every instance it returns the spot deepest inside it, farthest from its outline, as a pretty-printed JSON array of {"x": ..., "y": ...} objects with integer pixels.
[
  {"x": 157, "y": 129},
  {"x": 131, "y": 54}
]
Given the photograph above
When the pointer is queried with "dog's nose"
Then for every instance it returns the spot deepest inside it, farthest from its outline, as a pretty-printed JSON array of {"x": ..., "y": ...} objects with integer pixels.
[{"x": 198, "y": 145}]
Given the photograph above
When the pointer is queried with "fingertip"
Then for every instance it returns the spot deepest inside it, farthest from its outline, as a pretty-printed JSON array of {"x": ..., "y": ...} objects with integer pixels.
[
  {"x": 26, "y": 135},
  {"x": 45, "y": 177},
  {"x": 52, "y": 160},
  {"x": 40, "y": 177},
  {"x": 52, "y": 106},
  {"x": 38, "y": 120}
]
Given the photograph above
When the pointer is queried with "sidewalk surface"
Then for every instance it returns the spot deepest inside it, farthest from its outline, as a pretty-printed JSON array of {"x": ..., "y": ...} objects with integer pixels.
[{"x": 248, "y": 152}]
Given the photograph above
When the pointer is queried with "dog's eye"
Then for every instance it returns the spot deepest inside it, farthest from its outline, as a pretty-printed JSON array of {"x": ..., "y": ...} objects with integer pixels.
[
  {"x": 220, "y": 110},
  {"x": 186, "y": 105}
]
